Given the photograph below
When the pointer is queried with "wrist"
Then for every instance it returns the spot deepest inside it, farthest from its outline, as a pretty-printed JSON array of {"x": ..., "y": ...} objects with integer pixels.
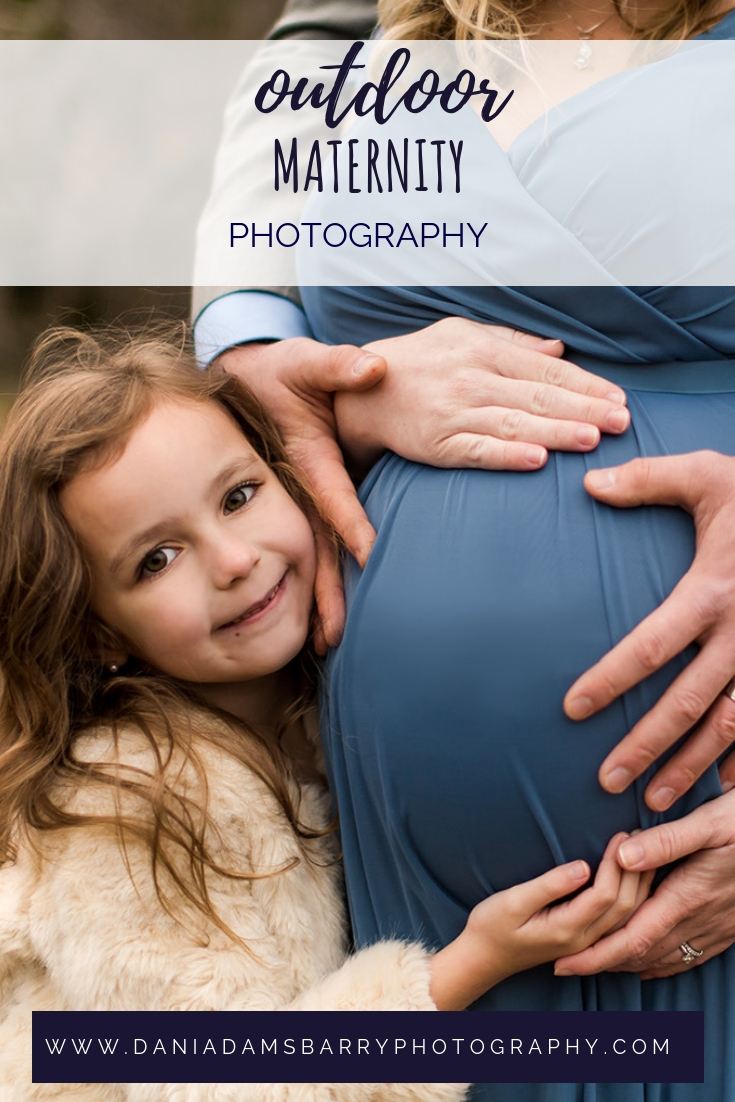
[
  {"x": 357, "y": 438},
  {"x": 463, "y": 971}
]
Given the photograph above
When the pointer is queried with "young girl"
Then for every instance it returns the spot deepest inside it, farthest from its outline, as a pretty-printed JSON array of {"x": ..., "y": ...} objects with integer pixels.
[{"x": 164, "y": 833}]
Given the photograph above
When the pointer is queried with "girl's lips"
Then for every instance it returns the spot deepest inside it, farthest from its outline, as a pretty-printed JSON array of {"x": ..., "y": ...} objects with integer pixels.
[{"x": 258, "y": 610}]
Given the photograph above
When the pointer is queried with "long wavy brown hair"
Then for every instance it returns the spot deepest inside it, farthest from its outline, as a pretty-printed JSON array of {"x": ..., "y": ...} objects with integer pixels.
[
  {"x": 468, "y": 20},
  {"x": 82, "y": 397}
]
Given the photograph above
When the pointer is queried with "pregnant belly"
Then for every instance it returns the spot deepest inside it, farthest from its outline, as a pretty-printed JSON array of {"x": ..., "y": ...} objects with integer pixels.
[{"x": 486, "y": 595}]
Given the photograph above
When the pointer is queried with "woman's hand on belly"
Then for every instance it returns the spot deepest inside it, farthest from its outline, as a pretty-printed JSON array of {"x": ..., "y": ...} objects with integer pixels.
[
  {"x": 462, "y": 394},
  {"x": 694, "y": 905},
  {"x": 701, "y": 610}
]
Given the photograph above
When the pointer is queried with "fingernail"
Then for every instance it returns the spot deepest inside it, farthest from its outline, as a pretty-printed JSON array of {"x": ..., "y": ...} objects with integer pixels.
[
  {"x": 536, "y": 456},
  {"x": 579, "y": 707},
  {"x": 618, "y": 420},
  {"x": 579, "y": 870},
  {"x": 588, "y": 436},
  {"x": 630, "y": 854},
  {"x": 727, "y": 786},
  {"x": 562, "y": 971},
  {"x": 618, "y": 396},
  {"x": 661, "y": 799},
  {"x": 364, "y": 364},
  {"x": 601, "y": 479},
  {"x": 617, "y": 780},
  {"x": 552, "y": 341},
  {"x": 361, "y": 550}
]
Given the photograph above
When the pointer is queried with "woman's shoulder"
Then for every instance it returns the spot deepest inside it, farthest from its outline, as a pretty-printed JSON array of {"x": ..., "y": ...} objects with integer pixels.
[{"x": 723, "y": 29}]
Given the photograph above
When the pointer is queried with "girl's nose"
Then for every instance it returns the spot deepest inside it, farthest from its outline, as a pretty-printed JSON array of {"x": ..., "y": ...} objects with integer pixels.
[{"x": 231, "y": 560}]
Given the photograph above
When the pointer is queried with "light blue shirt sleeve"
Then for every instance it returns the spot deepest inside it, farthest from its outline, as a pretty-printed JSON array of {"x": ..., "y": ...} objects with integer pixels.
[{"x": 244, "y": 316}]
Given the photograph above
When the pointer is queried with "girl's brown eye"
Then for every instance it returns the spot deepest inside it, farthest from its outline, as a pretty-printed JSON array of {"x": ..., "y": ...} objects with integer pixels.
[
  {"x": 158, "y": 560},
  {"x": 238, "y": 497}
]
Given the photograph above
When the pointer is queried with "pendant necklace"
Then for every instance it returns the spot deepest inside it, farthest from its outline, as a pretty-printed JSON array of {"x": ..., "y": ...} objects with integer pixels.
[{"x": 582, "y": 59}]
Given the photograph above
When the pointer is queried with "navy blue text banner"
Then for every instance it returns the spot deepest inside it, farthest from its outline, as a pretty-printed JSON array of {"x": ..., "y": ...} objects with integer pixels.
[{"x": 364, "y": 1046}]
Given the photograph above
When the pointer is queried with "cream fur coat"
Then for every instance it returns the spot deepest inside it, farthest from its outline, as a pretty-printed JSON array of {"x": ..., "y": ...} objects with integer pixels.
[{"x": 79, "y": 930}]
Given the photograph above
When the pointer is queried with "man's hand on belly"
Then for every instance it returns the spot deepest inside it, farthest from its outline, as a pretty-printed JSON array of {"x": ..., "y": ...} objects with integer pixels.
[
  {"x": 296, "y": 380},
  {"x": 701, "y": 610},
  {"x": 463, "y": 394}
]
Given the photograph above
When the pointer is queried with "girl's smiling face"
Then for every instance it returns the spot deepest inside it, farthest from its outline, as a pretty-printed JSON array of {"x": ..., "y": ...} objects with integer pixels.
[{"x": 199, "y": 558}]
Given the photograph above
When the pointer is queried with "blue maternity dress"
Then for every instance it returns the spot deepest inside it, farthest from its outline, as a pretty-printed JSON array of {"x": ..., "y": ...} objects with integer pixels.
[{"x": 486, "y": 595}]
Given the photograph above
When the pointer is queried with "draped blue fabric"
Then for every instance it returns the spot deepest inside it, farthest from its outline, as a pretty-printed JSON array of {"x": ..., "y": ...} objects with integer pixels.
[{"x": 486, "y": 595}]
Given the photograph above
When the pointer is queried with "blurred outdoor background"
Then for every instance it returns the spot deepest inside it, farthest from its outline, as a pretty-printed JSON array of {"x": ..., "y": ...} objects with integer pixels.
[
  {"x": 26, "y": 311},
  {"x": 137, "y": 18}
]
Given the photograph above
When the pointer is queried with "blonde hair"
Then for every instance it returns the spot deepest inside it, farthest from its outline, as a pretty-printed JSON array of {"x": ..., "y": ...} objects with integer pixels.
[
  {"x": 468, "y": 20},
  {"x": 82, "y": 397}
]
